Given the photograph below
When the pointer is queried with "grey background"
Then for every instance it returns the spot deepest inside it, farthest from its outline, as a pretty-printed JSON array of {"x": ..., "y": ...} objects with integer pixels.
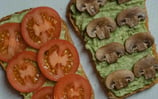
[{"x": 9, "y": 6}]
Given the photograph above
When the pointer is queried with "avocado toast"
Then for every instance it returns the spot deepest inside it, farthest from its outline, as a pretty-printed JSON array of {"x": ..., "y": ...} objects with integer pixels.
[
  {"x": 115, "y": 33},
  {"x": 64, "y": 36}
]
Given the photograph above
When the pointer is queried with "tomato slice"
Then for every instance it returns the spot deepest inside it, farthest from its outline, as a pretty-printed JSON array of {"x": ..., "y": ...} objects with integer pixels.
[
  {"x": 40, "y": 25},
  {"x": 43, "y": 93},
  {"x": 73, "y": 86},
  {"x": 11, "y": 41},
  {"x": 58, "y": 58},
  {"x": 23, "y": 73}
]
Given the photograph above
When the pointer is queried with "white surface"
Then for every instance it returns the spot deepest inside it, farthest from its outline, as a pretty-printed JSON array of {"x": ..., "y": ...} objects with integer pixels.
[{"x": 9, "y": 6}]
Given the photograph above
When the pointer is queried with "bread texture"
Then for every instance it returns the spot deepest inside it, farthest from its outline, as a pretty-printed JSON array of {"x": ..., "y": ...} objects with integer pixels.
[
  {"x": 66, "y": 36},
  {"x": 79, "y": 33}
]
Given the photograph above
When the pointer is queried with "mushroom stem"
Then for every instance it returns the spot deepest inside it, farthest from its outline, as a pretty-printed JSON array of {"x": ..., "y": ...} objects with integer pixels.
[
  {"x": 131, "y": 16},
  {"x": 101, "y": 28},
  {"x": 147, "y": 67},
  {"x": 119, "y": 79},
  {"x": 110, "y": 52},
  {"x": 91, "y": 6},
  {"x": 139, "y": 42}
]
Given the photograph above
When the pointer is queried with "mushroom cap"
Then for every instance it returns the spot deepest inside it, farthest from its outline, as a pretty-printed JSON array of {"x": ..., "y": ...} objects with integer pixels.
[
  {"x": 139, "y": 42},
  {"x": 110, "y": 52},
  {"x": 146, "y": 67},
  {"x": 131, "y": 16},
  {"x": 91, "y": 6},
  {"x": 101, "y": 27},
  {"x": 122, "y": 1},
  {"x": 119, "y": 79}
]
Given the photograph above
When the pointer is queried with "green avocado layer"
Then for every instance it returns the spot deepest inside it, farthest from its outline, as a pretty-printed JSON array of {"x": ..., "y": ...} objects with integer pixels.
[
  {"x": 18, "y": 18},
  {"x": 111, "y": 9}
]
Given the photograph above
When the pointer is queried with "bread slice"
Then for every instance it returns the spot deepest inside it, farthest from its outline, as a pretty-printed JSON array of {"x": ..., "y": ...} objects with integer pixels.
[
  {"x": 110, "y": 9},
  {"x": 65, "y": 35}
]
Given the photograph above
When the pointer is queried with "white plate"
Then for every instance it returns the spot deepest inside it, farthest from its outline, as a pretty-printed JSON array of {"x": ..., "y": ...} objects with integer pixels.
[{"x": 10, "y": 6}]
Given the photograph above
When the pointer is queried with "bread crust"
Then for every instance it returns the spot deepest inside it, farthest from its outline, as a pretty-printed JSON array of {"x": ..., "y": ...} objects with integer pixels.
[
  {"x": 67, "y": 36},
  {"x": 109, "y": 93}
]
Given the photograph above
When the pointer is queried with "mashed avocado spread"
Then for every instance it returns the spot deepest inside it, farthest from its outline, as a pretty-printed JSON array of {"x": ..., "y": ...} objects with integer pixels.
[{"x": 111, "y": 9}]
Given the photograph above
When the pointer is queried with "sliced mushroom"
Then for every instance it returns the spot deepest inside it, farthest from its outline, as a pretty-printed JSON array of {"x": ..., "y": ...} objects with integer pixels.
[
  {"x": 131, "y": 16},
  {"x": 91, "y": 6},
  {"x": 122, "y": 1},
  {"x": 139, "y": 42},
  {"x": 119, "y": 79},
  {"x": 146, "y": 67},
  {"x": 101, "y": 27},
  {"x": 110, "y": 52}
]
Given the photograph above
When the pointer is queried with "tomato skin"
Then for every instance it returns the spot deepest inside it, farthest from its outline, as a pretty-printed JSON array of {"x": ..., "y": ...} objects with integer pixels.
[
  {"x": 57, "y": 65},
  {"x": 72, "y": 86},
  {"x": 37, "y": 30},
  {"x": 22, "y": 73},
  {"x": 11, "y": 41},
  {"x": 43, "y": 93}
]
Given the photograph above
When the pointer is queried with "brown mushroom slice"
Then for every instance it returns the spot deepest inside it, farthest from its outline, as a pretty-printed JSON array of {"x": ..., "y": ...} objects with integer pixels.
[
  {"x": 119, "y": 79},
  {"x": 122, "y": 1},
  {"x": 131, "y": 16},
  {"x": 101, "y": 27},
  {"x": 146, "y": 67},
  {"x": 110, "y": 52},
  {"x": 91, "y": 6},
  {"x": 139, "y": 42}
]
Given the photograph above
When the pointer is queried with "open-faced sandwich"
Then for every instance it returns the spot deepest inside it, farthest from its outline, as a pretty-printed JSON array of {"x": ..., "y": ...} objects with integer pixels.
[
  {"x": 117, "y": 36},
  {"x": 39, "y": 57}
]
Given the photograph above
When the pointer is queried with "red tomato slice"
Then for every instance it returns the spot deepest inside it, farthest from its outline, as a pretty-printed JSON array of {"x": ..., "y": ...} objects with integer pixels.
[
  {"x": 40, "y": 25},
  {"x": 58, "y": 58},
  {"x": 11, "y": 41},
  {"x": 43, "y": 93},
  {"x": 23, "y": 73},
  {"x": 73, "y": 86}
]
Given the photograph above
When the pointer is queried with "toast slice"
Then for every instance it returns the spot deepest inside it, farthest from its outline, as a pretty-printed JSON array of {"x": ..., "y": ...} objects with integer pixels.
[
  {"x": 81, "y": 19},
  {"x": 64, "y": 35}
]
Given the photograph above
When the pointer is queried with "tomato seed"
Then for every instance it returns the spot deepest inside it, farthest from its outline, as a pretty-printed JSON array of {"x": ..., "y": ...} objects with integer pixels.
[
  {"x": 66, "y": 51},
  {"x": 53, "y": 71},
  {"x": 17, "y": 75},
  {"x": 46, "y": 67}
]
